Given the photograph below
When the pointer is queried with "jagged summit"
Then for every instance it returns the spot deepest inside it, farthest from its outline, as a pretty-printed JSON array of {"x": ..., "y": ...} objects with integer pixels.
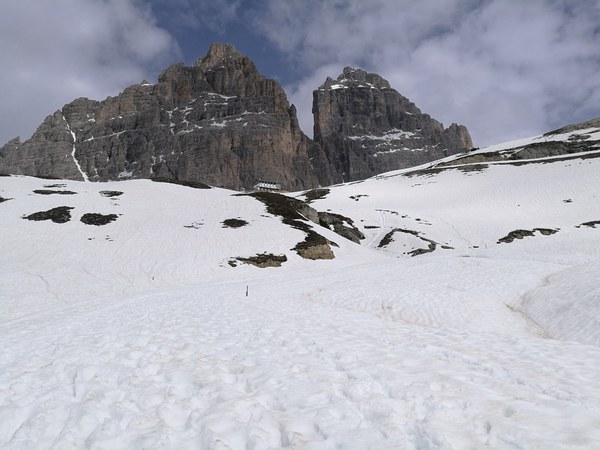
[
  {"x": 355, "y": 78},
  {"x": 217, "y": 52}
]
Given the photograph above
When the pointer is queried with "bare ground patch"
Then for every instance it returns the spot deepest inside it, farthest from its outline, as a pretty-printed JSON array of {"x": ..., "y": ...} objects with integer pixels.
[
  {"x": 98, "y": 219},
  {"x": 262, "y": 260},
  {"x": 60, "y": 214},
  {"x": 520, "y": 234}
]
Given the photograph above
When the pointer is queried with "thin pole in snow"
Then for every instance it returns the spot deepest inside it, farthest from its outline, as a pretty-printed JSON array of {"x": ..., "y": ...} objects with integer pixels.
[{"x": 246, "y": 290}]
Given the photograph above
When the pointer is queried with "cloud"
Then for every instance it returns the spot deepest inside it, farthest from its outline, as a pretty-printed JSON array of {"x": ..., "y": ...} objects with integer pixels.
[
  {"x": 504, "y": 68},
  {"x": 53, "y": 52}
]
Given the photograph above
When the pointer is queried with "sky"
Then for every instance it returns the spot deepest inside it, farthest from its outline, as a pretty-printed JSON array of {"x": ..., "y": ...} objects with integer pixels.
[{"x": 506, "y": 69}]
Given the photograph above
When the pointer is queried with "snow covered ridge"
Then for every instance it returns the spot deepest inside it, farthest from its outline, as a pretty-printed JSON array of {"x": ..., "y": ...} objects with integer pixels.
[
  {"x": 138, "y": 333},
  {"x": 570, "y": 140}
]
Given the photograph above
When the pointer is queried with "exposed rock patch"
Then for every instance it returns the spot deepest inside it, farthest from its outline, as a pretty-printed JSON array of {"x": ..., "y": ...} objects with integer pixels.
[
  {"x": 194, "y": 225},
  {"x": 111, "y": 193},
  {"x": 520, "y": 234},
  {"x": 591, "y": 224},
  {"x": 315, "y": 194},
  {"x": 98, "y": 219},
  {"x": 388, "y": 238},
  {"x": 60, "y": 214},
  {"x": 2, "y": 199},
  {"x": 315, "y": 246},
  {"x": 294, "y": 212},
  {"x": 344, "y": 226},
  {"x": 234, "y": 223},
  {"x": 262, "y": 260},
  {"x": 187, "y": 183},
  {"x": 51, "y": 192}
]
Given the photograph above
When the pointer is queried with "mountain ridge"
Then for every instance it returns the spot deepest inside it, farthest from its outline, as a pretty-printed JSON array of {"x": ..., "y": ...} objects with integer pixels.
[{"x": 218, "y": 122}]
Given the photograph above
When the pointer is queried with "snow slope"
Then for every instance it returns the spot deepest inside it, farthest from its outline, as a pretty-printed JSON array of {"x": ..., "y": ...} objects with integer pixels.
[{"x": 139, "y": 333}]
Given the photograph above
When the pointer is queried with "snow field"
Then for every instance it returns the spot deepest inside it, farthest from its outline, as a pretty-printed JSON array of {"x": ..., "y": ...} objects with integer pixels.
[
  {"x": 138, "y": 333},
  {"x": 208, "y": 367}
]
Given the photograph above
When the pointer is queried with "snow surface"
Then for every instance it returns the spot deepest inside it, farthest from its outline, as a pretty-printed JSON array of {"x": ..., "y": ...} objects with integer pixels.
[{"x": 139, "y": 334}]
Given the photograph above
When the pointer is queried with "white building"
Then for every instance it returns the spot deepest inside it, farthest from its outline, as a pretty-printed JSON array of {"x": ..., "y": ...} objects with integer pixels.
[{"x": 267, "y": 186}]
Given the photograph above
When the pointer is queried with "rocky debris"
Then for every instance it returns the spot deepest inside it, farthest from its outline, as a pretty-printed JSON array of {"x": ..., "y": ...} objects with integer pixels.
[
  {"x": 60, "y": 214},
  {"x": 430, "y": 171},
  {"x": 315, "y": 194},
  {"x": 295, "y": 212},
  {"x": 591, "y": 224},
  {"x": 315, "y": 247},
  {"x": 556, "y": 148},
  {"x": 194, "y": 225},
  {"x": 111, "y": 194},
  {"x": 364, "y": 127},
  {"x": 98, "y": 219},
  {"x": 431, "y": 245},
  {"x": 262, "y": 260},
  {"x": 51, "y": 192},
  {"x": 187, "y": 183},
  {"x": 520, "y": 234},
  {"x": 234, "y": 223},
  {"x": 344, "y": 226}
]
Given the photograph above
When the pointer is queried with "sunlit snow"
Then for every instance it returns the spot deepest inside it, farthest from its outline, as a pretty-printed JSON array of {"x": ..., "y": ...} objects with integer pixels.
[{"x": 140, "y": 333}]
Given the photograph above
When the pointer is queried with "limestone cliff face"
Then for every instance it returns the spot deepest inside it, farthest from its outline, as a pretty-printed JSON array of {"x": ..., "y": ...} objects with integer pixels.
[
  {"x": 364, "y": 127},
  {"x": 218, "y": 121},
  {"x": 222, "y": 123}
]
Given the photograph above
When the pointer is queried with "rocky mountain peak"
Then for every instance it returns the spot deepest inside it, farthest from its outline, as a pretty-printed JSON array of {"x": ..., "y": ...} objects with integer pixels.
[
  {"x": 355, "y": 78},
  {"x": 364, "y": 127},
  {"x": 219, "y": 55}
]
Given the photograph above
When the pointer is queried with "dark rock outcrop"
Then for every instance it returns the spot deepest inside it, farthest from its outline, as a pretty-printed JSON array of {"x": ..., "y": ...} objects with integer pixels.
[
  {"x": 60, "y": 214},
  {"x": 98, "y": 219},
  {"x": 364, "y": 127},
  {"x": 344, "y": 226}
]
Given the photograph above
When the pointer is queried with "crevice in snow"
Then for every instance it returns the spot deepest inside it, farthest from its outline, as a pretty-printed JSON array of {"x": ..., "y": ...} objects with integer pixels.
[{"x": 83, "y": 174}]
